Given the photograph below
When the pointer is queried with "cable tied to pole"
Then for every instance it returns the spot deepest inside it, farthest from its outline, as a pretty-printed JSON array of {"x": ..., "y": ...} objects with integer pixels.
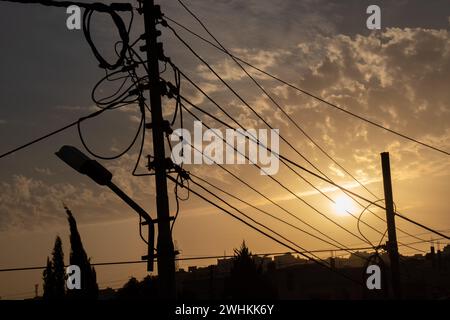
[
  {"x": 123, "y": 33},
  {"x": 379, "y": 246}
]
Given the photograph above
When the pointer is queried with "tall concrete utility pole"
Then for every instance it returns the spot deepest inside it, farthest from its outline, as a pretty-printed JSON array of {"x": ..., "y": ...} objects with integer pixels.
[
  {"x": 165, "y": 248},
  {"x": 392, "y": 246}
]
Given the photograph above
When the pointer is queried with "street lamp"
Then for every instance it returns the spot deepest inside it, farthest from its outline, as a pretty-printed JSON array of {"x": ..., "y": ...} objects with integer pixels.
[{"x": 94, "y": 170}]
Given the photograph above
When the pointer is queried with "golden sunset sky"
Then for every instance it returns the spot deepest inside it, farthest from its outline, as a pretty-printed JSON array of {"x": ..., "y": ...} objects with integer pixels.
[{"x": 398, "y": 76}]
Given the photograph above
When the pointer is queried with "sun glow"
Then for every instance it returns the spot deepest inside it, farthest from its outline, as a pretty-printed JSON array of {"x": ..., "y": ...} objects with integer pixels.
[{"x": 342, "y": 205}]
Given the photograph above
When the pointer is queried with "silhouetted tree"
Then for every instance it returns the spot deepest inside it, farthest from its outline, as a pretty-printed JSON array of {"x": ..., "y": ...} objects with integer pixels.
[
  {"x": 130, "y": 290},
  {"x": 78, "y": 256},
  {"x": 58, "y": 269},
  {"x": 134, "y": 289},
  {"x": 246, "y": 280},
  {"x": 54, "y": 273},
  {"x": 149, "y": 287},
  {"x": 49, "y": 280}
]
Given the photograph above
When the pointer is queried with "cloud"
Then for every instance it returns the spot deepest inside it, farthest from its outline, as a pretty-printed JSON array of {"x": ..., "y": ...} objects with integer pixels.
[
  {"x": 397, "y": 78},
  {"x": 227, "y": 70},
  {"x": 44, "y": 171},
  {"x": 371, "y": 75},
  {"x": 29, "y": 203}
]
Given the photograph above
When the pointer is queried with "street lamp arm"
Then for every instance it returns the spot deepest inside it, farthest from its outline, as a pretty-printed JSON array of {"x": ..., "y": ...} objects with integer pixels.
[
  {"x": 149, "y": 221},
  {"x": 130, "y": 202}
]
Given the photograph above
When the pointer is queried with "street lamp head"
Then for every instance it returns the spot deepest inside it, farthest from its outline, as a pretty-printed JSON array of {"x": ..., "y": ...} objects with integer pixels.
[
  {"x": 73, "y": 157},
  {"x": 84, "y": 165}
]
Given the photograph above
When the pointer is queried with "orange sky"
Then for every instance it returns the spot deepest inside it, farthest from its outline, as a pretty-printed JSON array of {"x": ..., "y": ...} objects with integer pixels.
[{"x": 398, "y": 77}]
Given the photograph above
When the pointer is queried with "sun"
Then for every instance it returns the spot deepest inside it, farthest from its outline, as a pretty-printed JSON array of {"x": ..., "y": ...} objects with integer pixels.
[{"x": 342, "y": 205}]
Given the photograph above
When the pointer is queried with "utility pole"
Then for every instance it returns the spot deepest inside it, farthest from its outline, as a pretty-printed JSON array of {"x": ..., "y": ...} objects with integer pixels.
[
  {"x": 390, "y": 219},
  {"x": 165, "y": 248}
]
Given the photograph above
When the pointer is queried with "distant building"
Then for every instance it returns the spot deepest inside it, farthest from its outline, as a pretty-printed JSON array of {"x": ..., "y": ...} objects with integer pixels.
[
  {"x": 287, "y": 260},
  {"x": 263, "y": 262},
  {"x": 296, "y": 278},
  {"x": 225, "y": 265},
  {"x": 446, "y": 250},
  {"x": 358, "y": 259}
]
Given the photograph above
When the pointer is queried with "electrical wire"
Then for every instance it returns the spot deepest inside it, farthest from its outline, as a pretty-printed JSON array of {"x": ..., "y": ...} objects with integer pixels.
[
  {"x": 333, "y": 183},
  {"x": 185, "y": 258},
  {"x": 359, "y": 229},
  {"x": 276, "y": 104},
  {"x": 275, "y": 180},
  {"x": 262, "y": 211},
  {"x": 292, "y": 86},
  {"x": 290, "y": 119},
  {"x": 291, "y": 214},
  {"x": 375, "y": 247},
  {"x": 93, "y": 153},
  {"x": 101, "y": 7},
  {"x": 267, "y": 124},
  {"x": 123, "y": 33},
  {"x": 268, "y": 235},
  {"x": 250, "y": 218},
  {"x": 48, "y": 135},
  {"x": 257, "y": 141}
]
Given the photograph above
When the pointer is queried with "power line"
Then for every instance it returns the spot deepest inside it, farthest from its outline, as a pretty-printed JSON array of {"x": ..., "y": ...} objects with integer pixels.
[
  {"x": 222, "y": 122},
  {"x": 421, "y": 225},
  {"x": 251, "y": 219},
  {"x": 331, "y": 182},
  {"x": 275, "y": 102},
  {"x": 279, "y": 183},
  {"x": 425, "y": 233},
  {"x": 207, "y": 257},
  {"x": 48, "y": 135},
  {"x": 277, "y": 154},
  {"x": 281, "y": 157},
  {"x": 357, "y": 195},
  {"x": 92, "y": 6},
  {"x": 311, "y": 94},
  {"x": 294, "y": 226},
  {"x": 277, "y": 205},
  {"x": 217, "y": 119},
  {"x": 424, "y": 241},
  {"x": 259, "y": 209},
  {"x": 295, "y": 124},
  {"x": 265, "y": 234},
  {"x": 243, "y": 101},
  {"x": 39, "y": 139},
  {"x": 295, "y": 172}
]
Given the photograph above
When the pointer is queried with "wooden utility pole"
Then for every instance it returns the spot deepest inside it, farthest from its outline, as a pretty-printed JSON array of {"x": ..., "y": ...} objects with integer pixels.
[
  {"x": 165, "y": 248},
  {"x": 392, "y": 246}
]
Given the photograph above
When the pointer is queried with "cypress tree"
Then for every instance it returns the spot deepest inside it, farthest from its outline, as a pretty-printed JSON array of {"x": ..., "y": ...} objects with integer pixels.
[
  {"x": 59, "y": 271},
  {"x": 54, "y": 273},
  {"x": 78, "y": 256},
  {"x": 49, "y": 281}
]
